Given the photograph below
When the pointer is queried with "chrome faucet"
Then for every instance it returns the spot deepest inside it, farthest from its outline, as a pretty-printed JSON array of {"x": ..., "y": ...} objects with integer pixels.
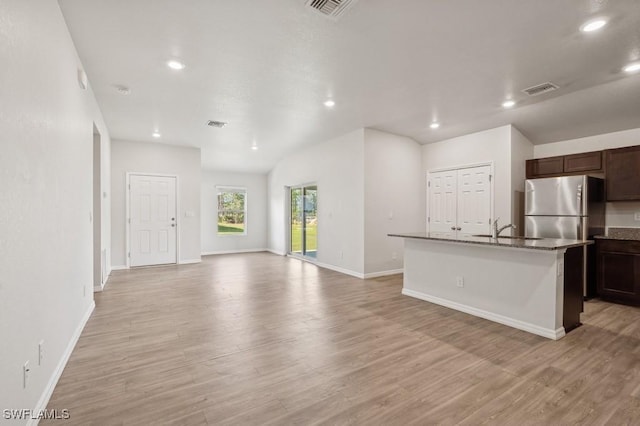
[{"x": 495, "y": 231}]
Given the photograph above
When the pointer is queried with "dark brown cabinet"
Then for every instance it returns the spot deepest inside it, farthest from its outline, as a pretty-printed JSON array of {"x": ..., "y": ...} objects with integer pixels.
[
  {"x": 540, "y": 167},
  {"x": 618, "y": 270},
  {"x": 564, "y": 165},
  {"x": 623, "y": 174},
  {"x": 585, "y": 162}
]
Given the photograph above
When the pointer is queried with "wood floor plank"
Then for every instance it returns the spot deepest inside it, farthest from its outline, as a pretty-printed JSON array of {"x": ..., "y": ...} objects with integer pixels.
[{"x": 263, "y": 339}]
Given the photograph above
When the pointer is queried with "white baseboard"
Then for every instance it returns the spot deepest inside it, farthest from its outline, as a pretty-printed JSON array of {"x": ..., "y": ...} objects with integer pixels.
[
  {"x": 119, "y": 267},
  {"x": 98, "y": 288},
  {"x": 53, "y": 381},
  {"x": 213, "y": 253},
  {"x": 339, "y": 269},
  {"x": 189, "y": 261},
  {"x": 383, "y": 273},
  {"x": 279, "y": 253},
  {"x": 511, "y": 322}
]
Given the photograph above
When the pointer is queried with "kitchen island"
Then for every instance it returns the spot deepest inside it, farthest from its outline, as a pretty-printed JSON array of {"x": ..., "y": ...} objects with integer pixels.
[{"x": 531, "y": 284}]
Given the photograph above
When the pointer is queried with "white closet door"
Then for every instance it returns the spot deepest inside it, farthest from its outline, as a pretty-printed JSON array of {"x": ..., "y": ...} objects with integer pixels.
[
  {"x": 474, "y": 200},
  {"x": 153, "y": 225},
  {"x": 442, "y": 201}
]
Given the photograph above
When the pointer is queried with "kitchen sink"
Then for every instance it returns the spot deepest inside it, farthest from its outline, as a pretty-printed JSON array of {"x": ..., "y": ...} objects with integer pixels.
[{"x": 508, "y": 236}]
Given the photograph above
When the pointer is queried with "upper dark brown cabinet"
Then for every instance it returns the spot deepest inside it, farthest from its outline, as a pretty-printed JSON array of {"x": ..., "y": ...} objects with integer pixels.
[
  {"x": 564, "y": 165},
  {"x": 545, "y": 167},
  {"x": 585, "y": 162},
  {"x": 623, "y": 174}
]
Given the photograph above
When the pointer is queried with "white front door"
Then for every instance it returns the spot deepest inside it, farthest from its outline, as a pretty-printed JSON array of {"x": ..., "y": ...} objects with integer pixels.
[
  {"x": 442, "y": 201},
  {"x": 460, "y": 200},
  {"x": 153, "y": 220},
  {"x": 474, "y": 200}
]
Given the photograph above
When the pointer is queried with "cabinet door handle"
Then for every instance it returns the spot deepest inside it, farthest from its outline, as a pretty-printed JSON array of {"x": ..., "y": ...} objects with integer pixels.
[
  {"x": 453, "y": 228},
  {"x": 459, "y": 229}
]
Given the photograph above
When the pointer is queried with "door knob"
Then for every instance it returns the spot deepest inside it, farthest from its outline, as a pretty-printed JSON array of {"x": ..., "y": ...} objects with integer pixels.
[
  {"x": 453, "y": 228},
  {"x": 173, "y": 225},
  {"x": 173, "y": 218},
  {"x": 459, "y": 229}
]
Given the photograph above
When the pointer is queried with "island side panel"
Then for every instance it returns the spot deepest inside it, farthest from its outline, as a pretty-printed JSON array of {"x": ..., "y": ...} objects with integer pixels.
[
  {"x": 518, "y": 287},
  {"x": 573, "y": 287}
]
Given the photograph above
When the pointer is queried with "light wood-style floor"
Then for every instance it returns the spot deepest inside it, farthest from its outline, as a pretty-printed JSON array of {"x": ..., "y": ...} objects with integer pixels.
[{"x": 263, "y": 339}]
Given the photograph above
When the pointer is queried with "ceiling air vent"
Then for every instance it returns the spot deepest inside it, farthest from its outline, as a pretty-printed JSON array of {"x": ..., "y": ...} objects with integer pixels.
[
  {"x": 539, "y": 89},
  {"x": 218, "y": 124},
  {"x": 331, "y": 8}
]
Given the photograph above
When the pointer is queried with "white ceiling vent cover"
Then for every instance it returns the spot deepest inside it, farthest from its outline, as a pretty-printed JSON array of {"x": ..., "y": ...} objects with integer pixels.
[
  {"x": 539, "y": 89},
  {"x": 331, "y": 8},
  {"x": 218, "y": 124}
]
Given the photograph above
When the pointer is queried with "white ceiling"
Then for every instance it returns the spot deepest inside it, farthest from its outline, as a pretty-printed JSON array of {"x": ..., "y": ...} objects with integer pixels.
[{"x": 266, "y": 67}]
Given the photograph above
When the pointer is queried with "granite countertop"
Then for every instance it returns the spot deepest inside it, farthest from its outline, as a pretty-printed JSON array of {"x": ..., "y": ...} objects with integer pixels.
[
  {"x": 621, "y": 234},
  {"x": 541, "y": 244}
]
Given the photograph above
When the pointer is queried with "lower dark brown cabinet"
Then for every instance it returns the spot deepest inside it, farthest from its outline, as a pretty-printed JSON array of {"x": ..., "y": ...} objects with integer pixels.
[{"x": 618, "y": 270}]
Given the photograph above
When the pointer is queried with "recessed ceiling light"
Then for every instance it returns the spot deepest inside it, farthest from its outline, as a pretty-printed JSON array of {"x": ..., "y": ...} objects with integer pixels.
[
  {"x": 156, "y": 134},
  {"x": 632, "y": 67},
  {"x": 434, "y": 125},
  {"x": 329, "y": 103},
  {"x": 593, "y": 25},
  {"x": 508, "y": 104},
  {"x": 254, "y": 147},
  {"x": 175, "y": 65}
]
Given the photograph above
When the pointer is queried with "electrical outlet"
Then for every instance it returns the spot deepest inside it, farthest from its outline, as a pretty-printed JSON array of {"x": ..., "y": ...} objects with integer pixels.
[
  {"x": 341, "y": 255},
  {"x": 460, "y": 281},
  {"x": 636, "y": 216},
  {"x": 394, "y": 255},
  {"x": 40, "y": 352},
  {"x": 391, "y": 215},
  {"x": 84, "y": 291},
  {"x": 25, "y": 374}
]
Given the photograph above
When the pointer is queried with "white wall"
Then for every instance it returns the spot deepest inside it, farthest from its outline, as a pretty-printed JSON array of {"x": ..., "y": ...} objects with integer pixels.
[
  {"x": 521, "y": 151},
  {"x": 256, "y": 219},
  {"x": 337, "y": 166},
  {"x": 618, "y": 213},
  {"x": 492, "y": 145},
  {"x": 46, "y": 132},
  {"x": 392, "y": 170},
  {"x": 140, "y": 157},
  {"x": 590, "y": 143}
]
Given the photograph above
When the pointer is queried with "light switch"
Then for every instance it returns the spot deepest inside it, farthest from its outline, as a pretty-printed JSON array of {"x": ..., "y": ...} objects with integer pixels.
[
  {"x": 636, "y": 216},
  {"x": 189, "y": 213}
]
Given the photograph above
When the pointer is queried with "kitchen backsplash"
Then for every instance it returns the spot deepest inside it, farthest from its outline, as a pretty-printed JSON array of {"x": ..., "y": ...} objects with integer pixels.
[
  {"x": 622, "y": 214},
  {"x": 624, "y": 233}
]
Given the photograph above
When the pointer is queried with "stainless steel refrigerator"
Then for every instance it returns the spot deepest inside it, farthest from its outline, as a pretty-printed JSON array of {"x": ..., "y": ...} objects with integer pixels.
[{"x": 570, "y": 207}]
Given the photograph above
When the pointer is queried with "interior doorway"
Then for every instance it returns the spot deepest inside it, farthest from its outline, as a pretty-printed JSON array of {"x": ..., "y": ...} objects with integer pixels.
[
  {"x": 303, "y": 223},
  {"x": 98, "y": 256}
]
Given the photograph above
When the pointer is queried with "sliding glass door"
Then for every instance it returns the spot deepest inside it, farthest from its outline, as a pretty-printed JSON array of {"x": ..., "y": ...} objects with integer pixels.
[{"x": 304, "y": 221}]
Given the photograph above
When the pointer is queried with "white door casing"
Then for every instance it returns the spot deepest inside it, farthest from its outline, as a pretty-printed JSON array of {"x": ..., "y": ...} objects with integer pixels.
[
  {"x": 460, "y": 200},
  {"x": 152, "y": 220}
]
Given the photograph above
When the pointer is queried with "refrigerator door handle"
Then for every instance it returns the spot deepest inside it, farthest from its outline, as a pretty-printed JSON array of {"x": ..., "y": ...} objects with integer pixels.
[
  {"x": 580, "y": 206},
  {"x": 582, "y": 229}
]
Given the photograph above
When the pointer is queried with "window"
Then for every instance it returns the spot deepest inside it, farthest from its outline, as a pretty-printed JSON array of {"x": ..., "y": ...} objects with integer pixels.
[{"x": 232, "y": 211}]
